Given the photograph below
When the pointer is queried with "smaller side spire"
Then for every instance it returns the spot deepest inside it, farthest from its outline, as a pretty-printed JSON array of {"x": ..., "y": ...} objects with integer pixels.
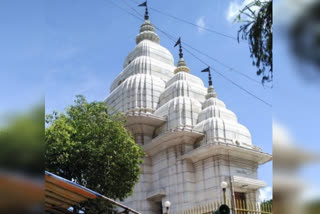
[
  {"x": 182, "y": 66},
  {"x": 209, "y": 74},
  {"x": 211, "y": 91},
  {"x": 146, "y": 14}
]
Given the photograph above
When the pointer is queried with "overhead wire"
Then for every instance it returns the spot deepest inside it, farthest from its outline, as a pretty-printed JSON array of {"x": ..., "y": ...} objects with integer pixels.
[
  {"x": 201, "y": 52},
  {"x": 172, "y": 38},
  {"x": 191, "y": 23},
  {"x": 195, "y": 25},
  {"x": 132, "y": 8},
  {"x": 236, "y": 71}
]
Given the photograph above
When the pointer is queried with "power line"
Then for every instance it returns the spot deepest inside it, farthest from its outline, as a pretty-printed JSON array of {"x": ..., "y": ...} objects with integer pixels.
[
  {"x": 132, "y": 8},
  {"x": 224, "y": 65},
  {"x": 231, "y": 81},
  {"x": 202, "y": 61},
  {"x": 190, "y": 23},
  {"x": 268, "y": 104},
  {"x": 222, "y": 75},
  {"x": 204, "y": 54},
  {"x": 121, "y": 8},
  {"x": 193, "y": 24},
  {"x": 214, "y": 59}
]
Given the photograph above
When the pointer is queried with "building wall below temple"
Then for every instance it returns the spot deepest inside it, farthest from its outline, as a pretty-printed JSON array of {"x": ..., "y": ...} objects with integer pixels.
[
  {"x": 165, "y": 176},
  {"x": 210, "y": 172}
]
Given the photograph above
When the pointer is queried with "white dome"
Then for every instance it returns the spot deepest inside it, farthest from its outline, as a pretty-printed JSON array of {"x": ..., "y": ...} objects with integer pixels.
[
  {"x": 152, "y": 49},
  {"x": 144, "y": 65},
  {"x": 183, "y": 84},
  {"x": 213, "y": 102},
  {"x": 183, "y": 88},
  {"x": 216, "y": 108},
  {"x": 146, "y": 70},
  {"x": 181, "y": 112},
  {"x": 181, "y": 101},
  {"x": 186, "y": 77},
  {"x": 151, "y": 83},
  {"x": 217, "y": 130},
  {"x": 139, "y": 92},
  {"x": 220, "y": 125}
]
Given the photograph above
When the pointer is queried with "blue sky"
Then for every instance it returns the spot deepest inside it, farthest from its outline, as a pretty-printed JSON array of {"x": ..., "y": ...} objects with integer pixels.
[
  {"x": 67, "y": 47},
  {"x": 296, "y": 90},
  {"x": 90, "y": 40}
]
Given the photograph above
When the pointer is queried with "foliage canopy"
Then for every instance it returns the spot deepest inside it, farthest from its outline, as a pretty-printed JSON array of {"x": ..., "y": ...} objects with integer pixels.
[
  {"x": 257, "y": 29},
  {"x": 92, "y": 148},
  {"x": 21, "y": 142}
]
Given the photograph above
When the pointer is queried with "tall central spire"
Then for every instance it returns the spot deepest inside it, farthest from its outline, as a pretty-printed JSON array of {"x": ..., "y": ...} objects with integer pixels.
[{"x": 147, "y": 31}]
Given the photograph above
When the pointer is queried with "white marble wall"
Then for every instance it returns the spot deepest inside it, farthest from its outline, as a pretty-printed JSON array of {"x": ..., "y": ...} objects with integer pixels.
[{"x": 148, "y": 84}]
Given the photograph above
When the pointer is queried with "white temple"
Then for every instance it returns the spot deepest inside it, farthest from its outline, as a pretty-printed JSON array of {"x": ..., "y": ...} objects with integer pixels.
[{"x": 192, "y": 141}]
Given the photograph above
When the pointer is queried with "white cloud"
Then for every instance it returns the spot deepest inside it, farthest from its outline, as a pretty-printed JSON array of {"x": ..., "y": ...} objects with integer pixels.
[
  {"x": 200, "y": 22},
  {"x": 235, "y": 6},
  {"x": 265, "y": 194}
]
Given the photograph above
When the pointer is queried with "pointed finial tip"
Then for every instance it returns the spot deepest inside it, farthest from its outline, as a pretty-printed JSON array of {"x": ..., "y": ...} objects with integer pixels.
[
  {"x": 180, "y": 47},
  {"x": 146, "y": 15},
  {"x": 209, "y": 75}
]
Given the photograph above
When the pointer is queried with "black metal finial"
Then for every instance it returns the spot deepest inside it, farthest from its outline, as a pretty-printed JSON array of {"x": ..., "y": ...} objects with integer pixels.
[
  {"x": 180, "y": 47},
  {"x": 146, "y": 14},
  {"x": 208, "y": 70}
]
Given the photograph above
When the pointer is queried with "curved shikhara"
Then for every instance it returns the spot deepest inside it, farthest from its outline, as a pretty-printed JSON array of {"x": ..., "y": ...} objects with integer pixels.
[{"x": 150, "y": 83}]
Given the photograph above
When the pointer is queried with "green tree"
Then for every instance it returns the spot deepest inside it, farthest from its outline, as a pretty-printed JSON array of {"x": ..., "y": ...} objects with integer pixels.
[
  {"x": 92, "y": 148},
  {"x": 305, "y": 38},
  {"x": 266, "y": 205},
  {"x": 312, "y": 207},
  {"x": 257, "y": 29},
  {"x": 21, "y": 142}
]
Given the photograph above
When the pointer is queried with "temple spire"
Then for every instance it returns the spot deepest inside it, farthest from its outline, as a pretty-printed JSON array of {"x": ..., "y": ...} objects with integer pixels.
[
  {"x": 181, "y": 66},
  {"x": 147, "y": 30},
  {"x": 146, "y": 14},
  {"x": 211, "y": 92}
]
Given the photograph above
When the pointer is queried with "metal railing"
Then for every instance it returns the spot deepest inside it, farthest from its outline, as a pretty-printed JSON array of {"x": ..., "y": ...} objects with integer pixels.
[{"x": 241, "y": 207}]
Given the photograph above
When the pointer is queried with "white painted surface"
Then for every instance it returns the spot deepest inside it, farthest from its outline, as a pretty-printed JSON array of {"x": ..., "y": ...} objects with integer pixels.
[{"x": 193, "y": 142}]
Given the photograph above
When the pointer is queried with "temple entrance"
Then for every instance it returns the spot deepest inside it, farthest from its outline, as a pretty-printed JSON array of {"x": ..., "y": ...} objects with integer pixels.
[
  {"x": 241, "y": 204},
  {"x": 159, "y": 207}
]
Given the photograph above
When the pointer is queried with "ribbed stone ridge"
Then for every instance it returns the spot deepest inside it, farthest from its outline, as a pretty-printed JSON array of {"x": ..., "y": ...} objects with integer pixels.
[
  {"x": 211, "y": 93},
  {"x": 143, "y": 78},
  {"x": 182, "y": 66},
  {"x": 148, "y": 48},
  {"x": 182, "y": 112},
  {"x": 139, "y": 93},
  {"x": 220, "y": 124},
  {"x": 181, "y": 101},
  {"x": 147, "y": 32},
  {"x": 183, "y": 84}
]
